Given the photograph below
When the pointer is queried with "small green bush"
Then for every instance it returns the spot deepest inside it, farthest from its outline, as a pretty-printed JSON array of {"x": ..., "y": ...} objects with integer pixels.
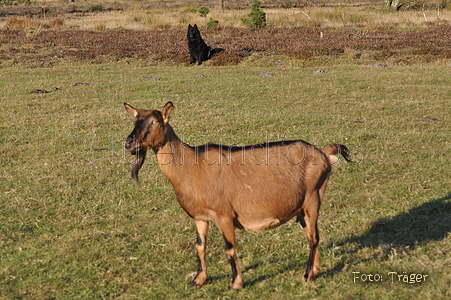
[
  {"x": 203, "y": 11},
  {"x": 212, "y": 24},
  {"x": 257, "y": 18}
]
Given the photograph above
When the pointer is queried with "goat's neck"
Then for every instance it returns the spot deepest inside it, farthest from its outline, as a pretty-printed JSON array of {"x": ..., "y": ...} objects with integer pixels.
[{"x": 172, "y": 153}]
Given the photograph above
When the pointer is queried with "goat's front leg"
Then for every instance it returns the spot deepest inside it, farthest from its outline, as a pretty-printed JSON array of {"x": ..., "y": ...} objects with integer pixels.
[
  {"x": 228, "y": 232},
  {"x": 201, "y": 245}
]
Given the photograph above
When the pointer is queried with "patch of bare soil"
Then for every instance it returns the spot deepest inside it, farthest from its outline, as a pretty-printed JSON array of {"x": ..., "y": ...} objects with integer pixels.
[{"x": 52, "y": 46}]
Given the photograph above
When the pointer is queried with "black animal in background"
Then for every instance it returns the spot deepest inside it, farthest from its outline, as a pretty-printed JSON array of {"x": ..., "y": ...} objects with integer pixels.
[{"x": 198, "y": 50}]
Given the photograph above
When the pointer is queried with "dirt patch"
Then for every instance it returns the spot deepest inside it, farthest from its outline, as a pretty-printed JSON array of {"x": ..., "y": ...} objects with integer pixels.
[{"x": 52, "y": 46}]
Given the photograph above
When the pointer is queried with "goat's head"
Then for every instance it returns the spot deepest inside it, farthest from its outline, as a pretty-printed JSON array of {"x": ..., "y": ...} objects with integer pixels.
[
  {"x": 149, "y": 133},
  {"x": 150, "y": 128}
]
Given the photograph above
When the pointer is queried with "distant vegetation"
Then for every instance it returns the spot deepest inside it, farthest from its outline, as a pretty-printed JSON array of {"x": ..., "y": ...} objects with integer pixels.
[
  {"x": 149, "y": 15},
  {"x": 257, "y": 17},
  {"x": 14, "y": 2}
]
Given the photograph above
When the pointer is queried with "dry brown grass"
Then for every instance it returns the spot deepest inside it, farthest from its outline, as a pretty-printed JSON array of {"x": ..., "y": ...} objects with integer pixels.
[
  {"x": 33, "y": 23},
  {"x": 323, "y": 17},
  {"x": 137, "y": 16}
]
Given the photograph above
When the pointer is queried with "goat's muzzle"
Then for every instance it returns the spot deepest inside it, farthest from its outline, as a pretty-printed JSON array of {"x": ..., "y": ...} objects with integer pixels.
[{"x": 132, "y": 145}]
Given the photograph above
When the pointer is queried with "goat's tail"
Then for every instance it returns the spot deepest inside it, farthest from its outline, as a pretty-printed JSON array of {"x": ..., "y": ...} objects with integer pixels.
[{"x": 332, "y": 150}]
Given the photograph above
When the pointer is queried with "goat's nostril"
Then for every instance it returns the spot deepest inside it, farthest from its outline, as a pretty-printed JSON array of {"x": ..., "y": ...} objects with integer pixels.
[{"x": 128, "y": 143}]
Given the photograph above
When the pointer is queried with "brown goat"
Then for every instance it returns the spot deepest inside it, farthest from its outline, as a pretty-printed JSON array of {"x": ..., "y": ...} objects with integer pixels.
[{"x": 251, "y": 187}]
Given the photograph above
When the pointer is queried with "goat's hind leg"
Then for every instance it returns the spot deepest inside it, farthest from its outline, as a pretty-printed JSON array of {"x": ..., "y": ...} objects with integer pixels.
[
  {"x": 309, "y": 221},
  {"x": 201, "y": 245}
]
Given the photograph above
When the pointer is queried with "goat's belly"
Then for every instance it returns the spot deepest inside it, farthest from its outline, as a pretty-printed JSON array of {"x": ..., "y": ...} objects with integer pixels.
[
  {"x": 263, "y": 215},
  {"x": 258, "y": 225}
]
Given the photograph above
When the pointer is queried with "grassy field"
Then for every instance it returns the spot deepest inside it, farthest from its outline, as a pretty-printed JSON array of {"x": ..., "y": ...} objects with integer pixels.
[{"x": 73, "y": 226}]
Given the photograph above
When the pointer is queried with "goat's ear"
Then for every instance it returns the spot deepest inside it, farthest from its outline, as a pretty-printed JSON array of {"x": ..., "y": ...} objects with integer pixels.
[
  {"x": 131, "y": 110},
  {"x": 168, "y": 107}
]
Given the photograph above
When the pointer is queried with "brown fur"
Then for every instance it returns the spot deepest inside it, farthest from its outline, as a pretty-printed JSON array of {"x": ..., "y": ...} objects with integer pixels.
[{"x": 254, "y": 187}]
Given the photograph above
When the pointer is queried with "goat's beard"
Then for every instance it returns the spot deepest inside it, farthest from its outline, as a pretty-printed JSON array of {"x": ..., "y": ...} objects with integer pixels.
[{"x": 140, "y": 157}]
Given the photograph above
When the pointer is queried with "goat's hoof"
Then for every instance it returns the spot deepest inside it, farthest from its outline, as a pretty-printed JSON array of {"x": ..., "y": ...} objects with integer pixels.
[
  {"x": 309, "y": 277},
  {"x": 305, "y": 278},
  {"x": 199, "y": 280},
  {"x": 236, "y": 285}
]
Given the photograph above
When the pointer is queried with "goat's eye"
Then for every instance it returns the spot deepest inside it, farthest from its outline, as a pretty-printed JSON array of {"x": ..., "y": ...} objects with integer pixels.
[{"x": 154, "y": 122}]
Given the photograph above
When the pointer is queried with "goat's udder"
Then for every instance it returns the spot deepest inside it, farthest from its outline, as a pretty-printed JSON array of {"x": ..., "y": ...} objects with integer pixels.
[{"x": 333, "y": 159}]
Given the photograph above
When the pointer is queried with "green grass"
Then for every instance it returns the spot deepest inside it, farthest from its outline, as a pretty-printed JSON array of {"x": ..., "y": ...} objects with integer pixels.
[{"x": 73, "y": 226}]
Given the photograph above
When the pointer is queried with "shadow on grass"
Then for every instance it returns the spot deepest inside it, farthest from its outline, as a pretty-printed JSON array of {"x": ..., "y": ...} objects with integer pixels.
[
  {"x": 267, "y": 275},
  {"x": 428, "y": 222},
  {"x": 249, "y": 281}
]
